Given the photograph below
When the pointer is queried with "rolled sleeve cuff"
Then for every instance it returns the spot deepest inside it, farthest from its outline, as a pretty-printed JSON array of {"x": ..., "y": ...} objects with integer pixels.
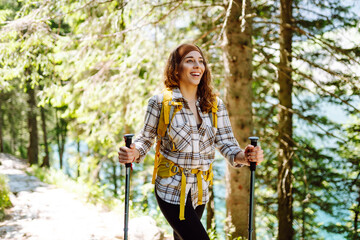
[{"x": 142, "y": 152}]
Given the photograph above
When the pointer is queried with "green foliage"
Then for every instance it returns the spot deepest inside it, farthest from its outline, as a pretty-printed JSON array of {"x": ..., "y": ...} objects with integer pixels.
[
  {"x": 212, "y": 232},
  {"x": 348, "y": 212},
  {"x": 94, "y": 65},
  {"x": 4, "y": 195}
]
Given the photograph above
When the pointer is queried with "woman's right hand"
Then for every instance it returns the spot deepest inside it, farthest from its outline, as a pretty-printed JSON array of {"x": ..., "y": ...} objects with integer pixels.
[{"x": 128, "y": 155}]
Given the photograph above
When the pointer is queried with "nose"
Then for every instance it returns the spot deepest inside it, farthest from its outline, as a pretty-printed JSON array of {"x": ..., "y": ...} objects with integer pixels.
[{"x": 196, "y": 64}]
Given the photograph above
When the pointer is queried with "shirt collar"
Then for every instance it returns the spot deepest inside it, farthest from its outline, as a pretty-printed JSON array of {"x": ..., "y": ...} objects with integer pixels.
[{"x": 177, "y": 95}]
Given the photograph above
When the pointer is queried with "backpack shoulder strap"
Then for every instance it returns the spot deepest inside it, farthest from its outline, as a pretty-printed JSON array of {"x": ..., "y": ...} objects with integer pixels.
[
  {"x": 165, "y": 111},
  {"x": 168, "y": 111},
  {"x": 213, "y": 113}
]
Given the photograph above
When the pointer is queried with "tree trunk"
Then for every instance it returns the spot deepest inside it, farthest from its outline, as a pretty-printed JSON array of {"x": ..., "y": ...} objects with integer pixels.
[
  {"x": 46, "y": 160},
  {"x": 16, "y": 135},
  {"x": 285, "y": 153},
  {"x": 61, "y": 131},
  {"x": 210, "y": 209},
  {"x": 238, "y": 66},
  {"x": 114, "y": 177},
  {"x": 33, "y": 148},
  {"x": 95, "y": 173},
  {"x": 356, "y": 218},
  {"x": 303, "y": 208}
]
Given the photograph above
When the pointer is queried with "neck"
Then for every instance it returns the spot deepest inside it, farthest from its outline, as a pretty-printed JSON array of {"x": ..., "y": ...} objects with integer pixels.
[{"x": 188, "y": 92}]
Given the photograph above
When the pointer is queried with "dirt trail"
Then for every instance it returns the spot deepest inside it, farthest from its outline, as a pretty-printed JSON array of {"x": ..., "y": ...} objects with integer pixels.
[{"x": 44, "y": 212}]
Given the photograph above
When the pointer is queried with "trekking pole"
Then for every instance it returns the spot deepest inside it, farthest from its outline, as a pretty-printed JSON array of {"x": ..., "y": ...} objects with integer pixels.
[
  {"x": 128, "y": 140},
  {"x": 252, "y": 183}
]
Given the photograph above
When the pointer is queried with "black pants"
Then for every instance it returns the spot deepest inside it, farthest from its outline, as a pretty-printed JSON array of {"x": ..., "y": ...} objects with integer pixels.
[{"x": 189, "y": 229}]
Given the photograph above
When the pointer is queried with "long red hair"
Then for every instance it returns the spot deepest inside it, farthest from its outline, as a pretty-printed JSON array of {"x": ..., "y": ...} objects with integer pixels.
[{"x": 171, "y": 79}]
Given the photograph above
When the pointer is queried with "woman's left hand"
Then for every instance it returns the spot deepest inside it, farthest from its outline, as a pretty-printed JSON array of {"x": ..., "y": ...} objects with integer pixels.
[
  {"x": 251, "y": 154},
  {"x": 254, "y": 154}
]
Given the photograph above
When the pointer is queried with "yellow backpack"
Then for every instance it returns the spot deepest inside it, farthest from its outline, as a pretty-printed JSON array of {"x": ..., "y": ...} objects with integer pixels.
[{"x": 168, "y": 168}]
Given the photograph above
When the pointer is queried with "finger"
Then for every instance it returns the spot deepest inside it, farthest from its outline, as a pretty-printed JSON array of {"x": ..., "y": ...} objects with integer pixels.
[
  {"x": 252, "y": 155},
  {"x": 260, "y": 158},
  {"x": 257, "y": 150},
  {"x": 256, "y": 156},
  {"x": 125, "y": 162},
  {"x": 122, "y": 159},
  {"x": 126, "y": 149},
  {"x": 253, "y": 159},
  {"x": 250, "y": 147},
  {"x": 255, "y": 153},
  {"x": 124, "y": 153},
  {"x": 123, "y": 149},
  {"x": 125, "y": 156},
  {"x": 132, "y": 146}
]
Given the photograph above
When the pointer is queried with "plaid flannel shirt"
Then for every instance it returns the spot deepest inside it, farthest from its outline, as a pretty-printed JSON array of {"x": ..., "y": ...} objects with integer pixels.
[{"x": 195, "y": 147}]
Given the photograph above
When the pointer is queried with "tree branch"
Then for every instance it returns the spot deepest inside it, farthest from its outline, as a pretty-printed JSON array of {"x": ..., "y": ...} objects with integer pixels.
[
  {"x": 228, "y": 11},
  {"x": 312, "y": 80},
  {"x": 207, "y": 33},
  {"x": 324, "y": 90},
  {"x": 312, "y": 11},
  {"x": 318, "y": 40},
  {"x": 309, "y": 120},
  {"x": 135, "y": 27},
  {"x": 327, "y": 70}
]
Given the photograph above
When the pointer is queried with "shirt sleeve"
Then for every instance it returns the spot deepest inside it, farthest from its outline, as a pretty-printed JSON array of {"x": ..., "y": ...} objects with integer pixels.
[
  {"x": 225, "y": 141},
  {"x": 146, "y": 137}
]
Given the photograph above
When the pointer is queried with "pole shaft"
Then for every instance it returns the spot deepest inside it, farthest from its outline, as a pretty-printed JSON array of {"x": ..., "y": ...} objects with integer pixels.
[
  {"x": 128, "y": 140},
  {"x": 127, "y": 191},
  {"x": 252, "y": 186},
  {"x": 251, "y": 213}
]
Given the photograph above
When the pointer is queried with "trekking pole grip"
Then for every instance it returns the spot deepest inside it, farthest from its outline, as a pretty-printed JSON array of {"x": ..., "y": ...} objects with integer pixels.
[
  {"x": 128, "y": 141},
  {"x": 253, "y": 141}
]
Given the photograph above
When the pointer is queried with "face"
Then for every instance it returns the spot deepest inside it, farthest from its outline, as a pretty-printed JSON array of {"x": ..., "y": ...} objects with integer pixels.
[{"x": 192, "y": 68}]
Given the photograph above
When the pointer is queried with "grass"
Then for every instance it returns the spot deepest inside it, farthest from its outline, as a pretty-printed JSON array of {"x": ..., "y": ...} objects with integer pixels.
[
  {"x": 88, "y": 191},
  {"x": 95, "y": 193},
  {"x": 4, "y": 196}
]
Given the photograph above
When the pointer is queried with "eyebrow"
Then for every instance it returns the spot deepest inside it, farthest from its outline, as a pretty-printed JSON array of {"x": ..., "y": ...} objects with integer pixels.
[{"x": 193, "y": 57}]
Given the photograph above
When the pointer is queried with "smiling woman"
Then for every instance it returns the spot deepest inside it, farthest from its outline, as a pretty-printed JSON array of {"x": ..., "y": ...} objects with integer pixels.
[
  {"x": 192, "y": 69},
  {"x": 189, "y": 57},
  {"x": 189, "y": 121}
]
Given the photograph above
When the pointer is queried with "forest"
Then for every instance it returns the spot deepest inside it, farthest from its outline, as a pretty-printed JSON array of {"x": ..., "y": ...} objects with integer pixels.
[{"x": 76, "y": 76}]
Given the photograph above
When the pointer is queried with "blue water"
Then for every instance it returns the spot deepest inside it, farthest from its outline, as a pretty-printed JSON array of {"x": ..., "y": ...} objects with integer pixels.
[{"x": 337, "y": 114}]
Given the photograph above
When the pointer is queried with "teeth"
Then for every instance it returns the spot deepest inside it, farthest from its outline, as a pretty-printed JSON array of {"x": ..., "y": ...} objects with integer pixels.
[{"x": 196, "y": 74}]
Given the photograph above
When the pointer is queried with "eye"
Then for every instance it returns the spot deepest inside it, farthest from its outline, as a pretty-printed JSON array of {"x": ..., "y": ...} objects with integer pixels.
[{"x": 189, "y": 60}]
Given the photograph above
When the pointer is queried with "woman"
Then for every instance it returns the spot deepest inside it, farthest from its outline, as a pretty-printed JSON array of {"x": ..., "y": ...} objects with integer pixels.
[{"x": 187, "y": 150}]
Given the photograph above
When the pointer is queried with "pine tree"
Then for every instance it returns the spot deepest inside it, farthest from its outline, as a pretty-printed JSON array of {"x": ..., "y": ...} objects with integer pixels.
[
  {"x": 238, "y": 68},
  {"x": 285, "y": 129}
]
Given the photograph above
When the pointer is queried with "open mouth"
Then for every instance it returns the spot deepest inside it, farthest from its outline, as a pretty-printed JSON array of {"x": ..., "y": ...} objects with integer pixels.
[{"x": 195, "y": 74}]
